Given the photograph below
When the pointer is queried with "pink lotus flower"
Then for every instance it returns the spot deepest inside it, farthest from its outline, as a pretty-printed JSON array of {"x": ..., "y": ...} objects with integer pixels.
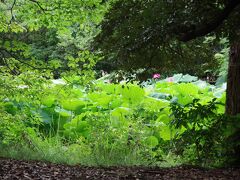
[
  {"x": 156, "y": 76},
  {"x": 170, "y": 79}
]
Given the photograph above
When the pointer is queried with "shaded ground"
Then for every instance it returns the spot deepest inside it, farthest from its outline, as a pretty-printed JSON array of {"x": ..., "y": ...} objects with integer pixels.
[{"x": 13, "y": 169}]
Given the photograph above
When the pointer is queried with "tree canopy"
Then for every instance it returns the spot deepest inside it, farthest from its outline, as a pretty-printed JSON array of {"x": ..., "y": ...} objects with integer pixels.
[
  {"x": 150, "y": 33},
  {"x": 49, "y": 36}
]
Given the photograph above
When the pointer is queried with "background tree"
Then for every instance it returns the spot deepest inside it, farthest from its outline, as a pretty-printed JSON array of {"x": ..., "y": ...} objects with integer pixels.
[
  {"x": 136, "y": 35},
  {"x": 47, "y": 36}
]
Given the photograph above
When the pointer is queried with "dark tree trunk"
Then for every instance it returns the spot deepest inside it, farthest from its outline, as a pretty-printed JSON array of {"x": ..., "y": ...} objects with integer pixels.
[
  {"x": 233, "y": 81},
  {"x": 233, "y": 99}
]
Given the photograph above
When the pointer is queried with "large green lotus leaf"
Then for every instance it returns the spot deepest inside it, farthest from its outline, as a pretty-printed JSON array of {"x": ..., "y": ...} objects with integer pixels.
[
  {"x": 73, "y": 104},
  {"x": 63, "y": 112},
  {"x": 166, "y": 111},
  {"x": 205, "y": 99},
  {"x": 47, "y": 115},
  {"x": 185, "y": 99},
  {"x": 62, "y": 118},
  {"x": 161, "y": 123},
  {"x": 183, "y": 78},
  {"x": 159, "y": 95},
  {"x": 69, "y": 126},
  {"x": 91, "y": 107},
  {"x": 48, "y": 101},
  {"x": 77, "y": 119},
  {"x": 115, "y": 102},
  {"x": 165, "y": 132},
  {"x": 162, "y": 85},
  {"x": 61, "y": 93},
  {"x": 218, "y": 93},
  {"x": 149, "y": 89},
  {"x": 118, "y": 116},
  {"x": 188, "y": 78},
  {"x": 96, "y": 95},
  {"x": 70, "y": 132},
  {"x": 121, "y": 111},
  {"x": 166, "y": 88},
  {"x": 177, "y": 78},
  {"x": 77, "y": 93},
  {"x": 104, "y": 102},
  {"x": 77, "y": 127},
  {"x": 151, "y": 141},
  {"x": 170, "y": 91},
  {"x": 163, "y": 118},
  {"x": 153, "y": 104},
  {"x": 162, "y": 129},
  {"x": 221, "y": 80},
  {"x": 127, "y": 104},
  {"x": 206, "y": 91},
  {"x": 55, "y": 116},
  {"x": 201, "y": 84},
  {"x": 132, "y": 93},
  {"x": 60, "y": 122},
  {"x": 108, "y": 88},
  {"x": 187, "y": 89}
]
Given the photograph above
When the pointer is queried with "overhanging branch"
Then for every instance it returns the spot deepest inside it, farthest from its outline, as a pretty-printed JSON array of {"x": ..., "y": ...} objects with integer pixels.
[
  {"x": 210, "y": 26},
  {"x": 11, "y": 54},
  {"x": 39, "y": 5}
]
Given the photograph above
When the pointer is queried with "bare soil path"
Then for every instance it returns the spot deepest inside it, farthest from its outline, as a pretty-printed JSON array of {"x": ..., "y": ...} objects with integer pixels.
[{"x": 15, "y": 169}]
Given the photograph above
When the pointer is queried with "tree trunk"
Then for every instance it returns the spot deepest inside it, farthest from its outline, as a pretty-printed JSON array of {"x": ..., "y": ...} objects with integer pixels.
[
  {"x": 233, "y": 100},
  {"x": 233, "y": 80}
]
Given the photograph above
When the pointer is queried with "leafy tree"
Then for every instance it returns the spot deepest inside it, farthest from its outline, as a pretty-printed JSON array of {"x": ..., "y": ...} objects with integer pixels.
[
  {"x": 47, "y": 35},
  {"x": 134, "y": 37}
]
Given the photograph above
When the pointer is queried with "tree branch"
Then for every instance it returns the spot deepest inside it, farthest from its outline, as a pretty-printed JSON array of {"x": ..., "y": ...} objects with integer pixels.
[
  {"x": 194, "y": 32},
  {"x": 11, "y": 54},
  {"x": 39, "y": 5},
  {"x": 11, "y": 10}
]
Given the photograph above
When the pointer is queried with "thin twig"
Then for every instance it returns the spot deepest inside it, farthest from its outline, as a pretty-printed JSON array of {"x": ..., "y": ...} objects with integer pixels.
[
  {"x": 39, "y": 5},
  {"x": 11, "y": 10}
]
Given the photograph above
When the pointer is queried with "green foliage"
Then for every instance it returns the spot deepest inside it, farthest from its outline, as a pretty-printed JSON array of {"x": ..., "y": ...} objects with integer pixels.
[
  {"x": 198, "y": 121},
  {"x": 42, "y": 36},
  {"x": 207, "y": 133},
  {"x": 133, "y": 36},
  {"x": 114, "y": 121},
  {"x": 76, "y": 119}
]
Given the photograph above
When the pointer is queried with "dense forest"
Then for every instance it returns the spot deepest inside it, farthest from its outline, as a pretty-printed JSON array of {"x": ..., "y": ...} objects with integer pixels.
[{"x": 120, "y": 82}]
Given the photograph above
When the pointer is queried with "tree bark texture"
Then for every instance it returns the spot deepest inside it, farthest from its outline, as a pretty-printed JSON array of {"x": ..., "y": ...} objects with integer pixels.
[{"x": 233, "y": 80}]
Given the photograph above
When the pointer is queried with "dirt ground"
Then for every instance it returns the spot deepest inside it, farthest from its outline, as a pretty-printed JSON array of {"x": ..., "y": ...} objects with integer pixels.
[{"x": 14, "y": 169}]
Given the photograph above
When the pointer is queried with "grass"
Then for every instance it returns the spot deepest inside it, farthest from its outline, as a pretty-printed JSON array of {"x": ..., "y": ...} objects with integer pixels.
[{"x": 56, "y": 151}]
